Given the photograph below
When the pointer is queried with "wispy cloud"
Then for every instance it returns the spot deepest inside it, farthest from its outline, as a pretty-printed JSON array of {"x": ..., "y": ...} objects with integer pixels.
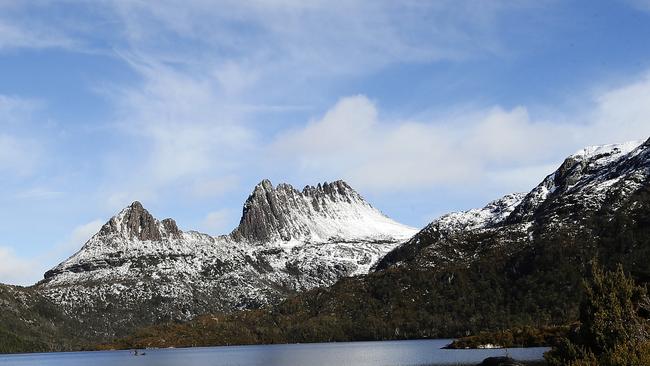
[
  {"x": 82, "y": 234},
  {"x": 13, "y": 36},
  {"x": 181, "y": 131},
  {"x": 209, "y": 188},
  {"x": 317, "y": 35}
]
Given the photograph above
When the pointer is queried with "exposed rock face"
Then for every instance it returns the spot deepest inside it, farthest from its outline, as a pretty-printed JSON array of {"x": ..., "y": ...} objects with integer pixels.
[
  {"x": 134, "y": 222},
  {"x": 327, "y": 212},
  {"x": 138, "y": 270}
]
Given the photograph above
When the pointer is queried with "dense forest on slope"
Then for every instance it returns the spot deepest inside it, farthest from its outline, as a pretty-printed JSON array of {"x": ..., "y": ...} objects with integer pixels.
[
  {"x": 536, "y": 283},
  {"x": 31, "y": 323}
]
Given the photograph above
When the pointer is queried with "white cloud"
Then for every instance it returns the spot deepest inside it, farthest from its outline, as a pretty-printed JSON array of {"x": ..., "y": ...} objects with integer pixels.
[
  {"x": 13, "y": 106},
  {"x": 351, "y": 141},
  {"x": 82, "y": 233},
  {"x": 16, "y": 270},
  {"x": 475, "y": 148},
  {"x": 207, "y": 71},
  {"x": 218, "y": 221},
  {"x": 622, "y": 112}
]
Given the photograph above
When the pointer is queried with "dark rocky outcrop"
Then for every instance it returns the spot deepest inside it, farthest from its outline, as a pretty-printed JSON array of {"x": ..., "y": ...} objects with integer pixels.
[
  {"x": 135, "y": 222},
  {"x": 284, "y": 213},
  {"x": 500, "y": 361}
]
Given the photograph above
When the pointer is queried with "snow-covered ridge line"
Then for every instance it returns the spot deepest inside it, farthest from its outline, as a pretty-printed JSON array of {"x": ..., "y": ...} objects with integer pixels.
[
  {"x": 498, "y": 210},
  {"x": 588, "y": 166},
  {"x": 492, "y": 214},
  {"x": 619, "y": 149}
]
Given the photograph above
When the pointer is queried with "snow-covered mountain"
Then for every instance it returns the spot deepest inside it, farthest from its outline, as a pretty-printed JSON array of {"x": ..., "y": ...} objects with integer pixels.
[
  {"x": 325, "y": 213},
  {"x": 140, "y": 270},
  {"x": 595, "y": 181}
]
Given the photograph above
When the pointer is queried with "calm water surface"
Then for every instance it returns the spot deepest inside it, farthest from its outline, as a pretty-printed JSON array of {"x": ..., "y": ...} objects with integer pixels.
[{"x": 402, "y": 353}]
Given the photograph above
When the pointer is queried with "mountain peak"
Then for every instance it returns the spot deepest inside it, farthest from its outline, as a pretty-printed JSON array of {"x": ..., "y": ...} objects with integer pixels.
[
  {"x": 135, "y": 222},
  {"x": 318, "y": 213},
  {"x": 338, "y": 187},
  {"x": 135, "y": 205},
  {"x": 606, "y": 152},
  {"x": 264, "y": 185}
]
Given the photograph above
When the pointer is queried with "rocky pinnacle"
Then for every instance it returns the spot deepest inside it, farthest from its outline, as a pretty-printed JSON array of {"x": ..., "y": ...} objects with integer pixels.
[{"x": 135, "y": 222}]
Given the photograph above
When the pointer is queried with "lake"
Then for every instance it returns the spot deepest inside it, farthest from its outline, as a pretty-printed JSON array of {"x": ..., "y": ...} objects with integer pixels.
[{"x": 387, "y": 353}]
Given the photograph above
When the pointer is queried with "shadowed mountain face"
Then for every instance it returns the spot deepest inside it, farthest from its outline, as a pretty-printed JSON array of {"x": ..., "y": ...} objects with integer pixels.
[{"x": 138, "y": 270}]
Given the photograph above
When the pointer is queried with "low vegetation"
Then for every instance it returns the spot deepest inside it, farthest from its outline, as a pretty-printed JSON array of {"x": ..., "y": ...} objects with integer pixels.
[{"x": 517, "y": 337}]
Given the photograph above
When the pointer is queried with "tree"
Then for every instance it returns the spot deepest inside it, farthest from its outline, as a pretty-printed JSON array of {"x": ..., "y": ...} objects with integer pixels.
[{"x": 611, "y": 331}]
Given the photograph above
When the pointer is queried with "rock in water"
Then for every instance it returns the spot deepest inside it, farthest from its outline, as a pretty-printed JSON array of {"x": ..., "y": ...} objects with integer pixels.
[{"x": 499, "y": 361}]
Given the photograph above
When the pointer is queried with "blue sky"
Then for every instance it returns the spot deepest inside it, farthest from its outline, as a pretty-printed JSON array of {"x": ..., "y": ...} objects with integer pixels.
[{"x": 423, "y": 107}]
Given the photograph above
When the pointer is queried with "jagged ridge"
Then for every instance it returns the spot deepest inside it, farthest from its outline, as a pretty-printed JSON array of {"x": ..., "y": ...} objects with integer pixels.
[{"x": 324, "y": 213}]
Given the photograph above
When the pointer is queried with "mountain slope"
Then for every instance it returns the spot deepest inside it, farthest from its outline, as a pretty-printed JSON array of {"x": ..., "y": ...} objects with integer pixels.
[
  {"x": 29, "y": 322},
  {"x": 138, "y": 270},
  {"x": 517, "y": 262},
  {"x": 594, "y": 182}
]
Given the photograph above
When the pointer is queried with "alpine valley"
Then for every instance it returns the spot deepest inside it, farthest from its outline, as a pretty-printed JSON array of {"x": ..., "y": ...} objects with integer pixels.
[{"x": 322, "y": 264}]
